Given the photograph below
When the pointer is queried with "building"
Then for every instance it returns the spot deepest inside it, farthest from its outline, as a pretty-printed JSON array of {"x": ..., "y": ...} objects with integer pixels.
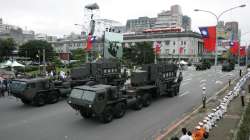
[
  {"x": 232, "y": 30},
  {"x": 19, "y": 35},
  {"x": 174, "y": 45},
  {"x": 138, "y": 25},
  {"x": 171, "y": 18}
]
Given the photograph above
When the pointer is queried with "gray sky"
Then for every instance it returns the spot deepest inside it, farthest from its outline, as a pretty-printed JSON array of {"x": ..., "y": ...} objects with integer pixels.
[{"x": 57, "y": 17}]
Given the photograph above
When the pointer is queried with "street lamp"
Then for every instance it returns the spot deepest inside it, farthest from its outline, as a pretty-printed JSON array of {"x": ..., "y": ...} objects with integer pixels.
[{"x": 217, "y": 21}]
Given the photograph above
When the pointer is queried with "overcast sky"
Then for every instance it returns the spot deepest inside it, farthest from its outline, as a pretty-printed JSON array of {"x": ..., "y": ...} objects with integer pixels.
[{"x": 57, "y": 17}]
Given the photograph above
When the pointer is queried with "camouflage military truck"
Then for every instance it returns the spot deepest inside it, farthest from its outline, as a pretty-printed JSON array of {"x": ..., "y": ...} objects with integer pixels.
[
  {"x": 103, "y": 71},
  {"x": 39, "y": 91},
  {"x": 107, "y": 101},
  {"x": 227, "y": 66},
  {"x": 203, "y": 65}
]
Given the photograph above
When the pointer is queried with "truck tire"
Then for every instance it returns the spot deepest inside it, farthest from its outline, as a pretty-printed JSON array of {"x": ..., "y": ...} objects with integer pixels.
[
  {"x": 120, "y": 110},
  {"x": 107, "y": 115},
  {"x": 138, "y": 104},
  {"x": 172, "y": 92},
  {"x": 85, "y": 115},
  {"x": 147, "y": 99},
  {"x": 39, "y": 100},
  {"x": 54, "y": 97},
  {"x": 26, "y": 102}
]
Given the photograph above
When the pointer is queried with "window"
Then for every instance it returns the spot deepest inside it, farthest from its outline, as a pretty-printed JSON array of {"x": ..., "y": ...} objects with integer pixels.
[
  {"x": 167, "y": 42},
  {"x": 173, "y": 51},
  {"x": 174, "y": 43},
  {"x": 184, "y": 42}
]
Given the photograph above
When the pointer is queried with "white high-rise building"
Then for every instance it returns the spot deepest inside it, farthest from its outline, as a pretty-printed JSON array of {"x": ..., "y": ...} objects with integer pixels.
[{"x": 171, "y": 18}]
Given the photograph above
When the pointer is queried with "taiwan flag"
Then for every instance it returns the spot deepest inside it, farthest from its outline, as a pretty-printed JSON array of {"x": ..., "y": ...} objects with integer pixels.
[
  {"x": 157, "y": 47},
  {"x": 90, "y": 41},
  {"x": 242, "y": 50},
  {"x": 234, "y": 46},
  {"x": 209, "y": 37}
]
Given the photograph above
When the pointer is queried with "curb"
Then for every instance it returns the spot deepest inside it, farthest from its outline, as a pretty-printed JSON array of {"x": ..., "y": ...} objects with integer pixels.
[{"x": 188, "y": 115}]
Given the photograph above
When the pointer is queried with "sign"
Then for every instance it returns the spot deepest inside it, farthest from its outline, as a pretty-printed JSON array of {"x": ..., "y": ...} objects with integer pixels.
[{"x": 113, "y": 45}]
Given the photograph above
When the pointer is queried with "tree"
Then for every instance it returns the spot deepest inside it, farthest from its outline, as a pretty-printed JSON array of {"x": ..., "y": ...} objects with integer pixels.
[
  {"x": 140, "y": 53},
  {"x": 6, "y": 48},
  {"x": 78, "y": 54},
  {"x": 34, "y": 50}
]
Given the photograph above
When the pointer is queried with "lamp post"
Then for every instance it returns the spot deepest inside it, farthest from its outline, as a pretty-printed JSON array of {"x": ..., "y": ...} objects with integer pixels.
[{"x": 217, "y": 21}]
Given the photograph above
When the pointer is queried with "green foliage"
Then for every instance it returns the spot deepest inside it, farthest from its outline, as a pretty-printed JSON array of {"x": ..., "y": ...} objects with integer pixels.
[
  {"x": 6, "y": 47},
  {"x": 78, "y": 54},
  {"x": 57, "y": 62},
  {"x": 34, "y": 50},
  {"x": 27, "y": 69},
  {"x": 243, "y": 133},
  {"x": 140, "y": 53}
]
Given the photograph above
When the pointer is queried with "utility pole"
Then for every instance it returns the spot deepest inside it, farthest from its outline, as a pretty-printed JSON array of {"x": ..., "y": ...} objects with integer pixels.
[{"x": 44, "y": 63}]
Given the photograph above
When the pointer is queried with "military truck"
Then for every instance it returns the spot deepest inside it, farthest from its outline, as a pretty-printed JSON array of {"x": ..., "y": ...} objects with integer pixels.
[
  {"x": 107, "y": 101},
  {"x": 103, "y": 71},
  {"x": 228, "y": 66},
  {"x": 203, "y": 65},
  {"x": 39, "y": 91}
]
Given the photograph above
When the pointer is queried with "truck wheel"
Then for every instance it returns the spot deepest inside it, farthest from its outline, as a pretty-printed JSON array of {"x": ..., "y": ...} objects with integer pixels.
[
  {"x": 85, "y": 115},
  {"x": 54, "y": 97},
  {"x": 138, "y": 104},
  {"x": 147, "y": 100},
  {"x": 26, "y": 102},
  {"x": 39, "y": 100},
  {"x": 120, "y": 110},
  {"x": 172, "y": 92},
  {"x": 107, "y": 115}
]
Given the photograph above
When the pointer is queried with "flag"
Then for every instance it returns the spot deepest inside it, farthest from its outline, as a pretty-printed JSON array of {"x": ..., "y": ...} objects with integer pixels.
[
  {"x": 234, "y": 46},
  {"x": 209, "y": 37},
  {"x": 157, "y": 47},
  {"x": 90, "y": 41},
  {"x": 181, "y": 50},
  {"x": 242, "y": 51}
]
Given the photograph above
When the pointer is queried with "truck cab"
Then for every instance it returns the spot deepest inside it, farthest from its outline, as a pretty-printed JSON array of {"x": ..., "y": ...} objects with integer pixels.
[
  {"x": 102, "y": 101},
  {"x": 36, "y": 91}
]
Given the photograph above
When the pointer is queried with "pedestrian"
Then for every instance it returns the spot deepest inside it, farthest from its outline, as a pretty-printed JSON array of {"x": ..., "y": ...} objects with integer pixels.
[
  {"x": 242, "y": 95},
  {"x": 197, "y": 134},
  {"x": 184, "y": 134},
  {"x": 190, "y": 135},
  {"x": 1, "y": 89}
]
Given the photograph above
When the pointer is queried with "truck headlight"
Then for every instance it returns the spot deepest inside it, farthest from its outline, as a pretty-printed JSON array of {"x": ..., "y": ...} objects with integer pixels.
[{"x": 90, "y": 106}]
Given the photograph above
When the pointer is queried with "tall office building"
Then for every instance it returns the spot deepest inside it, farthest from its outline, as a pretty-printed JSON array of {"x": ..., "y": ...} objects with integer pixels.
[
  {"x": 137, "y": 25},
  {"x": 232, "y": 30},
  {"x": 171, "y": 18}
]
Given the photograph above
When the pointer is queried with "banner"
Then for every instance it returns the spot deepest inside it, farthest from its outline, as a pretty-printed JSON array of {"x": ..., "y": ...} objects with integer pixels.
[{"x": 113, "y": 45}]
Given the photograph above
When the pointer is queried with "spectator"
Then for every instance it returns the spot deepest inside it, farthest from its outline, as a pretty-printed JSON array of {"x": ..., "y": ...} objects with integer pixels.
[
  {"x": 184, "y": 134},
  {"x": 197, "y": 134},
  {"x": 190, "y": 135},
  {"x": 174, "y": 138}
]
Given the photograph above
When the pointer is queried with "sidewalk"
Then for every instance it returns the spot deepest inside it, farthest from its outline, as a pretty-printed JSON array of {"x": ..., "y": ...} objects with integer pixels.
[{"x": 226, "y": 127}]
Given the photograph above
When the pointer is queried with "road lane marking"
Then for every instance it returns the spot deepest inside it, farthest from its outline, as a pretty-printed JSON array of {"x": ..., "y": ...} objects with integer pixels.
[
  {"x": 187, "y": 79},
  {"x": 185, "y": 93},
  {"x": 204, "y": 80},
  {"x": 183, "y": 84},
  {"x": 218, "y": 82}
]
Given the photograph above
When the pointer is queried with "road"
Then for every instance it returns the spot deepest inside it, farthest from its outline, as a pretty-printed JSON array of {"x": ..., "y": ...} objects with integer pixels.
[{"x": 60, "y": 122}]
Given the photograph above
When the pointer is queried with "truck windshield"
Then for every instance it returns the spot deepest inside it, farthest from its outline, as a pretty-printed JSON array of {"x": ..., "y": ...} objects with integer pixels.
[
  {"x": 18, "y": 86},
  {"x": 83, "y": 94}
]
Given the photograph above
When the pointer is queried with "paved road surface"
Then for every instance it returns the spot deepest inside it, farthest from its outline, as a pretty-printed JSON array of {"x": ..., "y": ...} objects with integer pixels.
[{"x": 60, "y": 122}]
